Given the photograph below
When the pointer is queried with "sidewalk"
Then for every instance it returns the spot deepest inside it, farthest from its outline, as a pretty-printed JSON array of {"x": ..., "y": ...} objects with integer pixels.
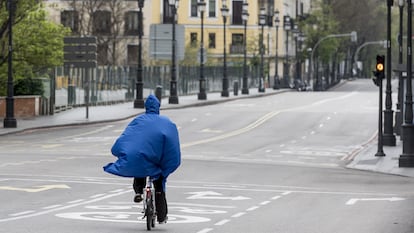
[{"x": 364, "y": 158}]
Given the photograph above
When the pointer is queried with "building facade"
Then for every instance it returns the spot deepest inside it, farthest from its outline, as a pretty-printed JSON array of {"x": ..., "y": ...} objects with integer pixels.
[{"x": 116, "y": 25}]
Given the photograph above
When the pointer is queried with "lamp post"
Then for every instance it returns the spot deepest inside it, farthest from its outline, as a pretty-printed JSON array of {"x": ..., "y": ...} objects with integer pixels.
[
  {"x": 400, "y": 106},
  {"x": 202, "y": 93},
  {"x": 276, "y": 77},
  {"x": 407, "y": 157},
  {"x": 245, "y": 17},
  {"x": 139, "y": 100},
  {"x": 287, "y": 26},
  {"x": 389, "y": 137},
  {"x": 262, "y": 22},
  {"x": 9, "y": 120},
  {"x": 296, "y": 36},
  {"x": 225, "y": 13},
  {"x": 173, "y": 99}
]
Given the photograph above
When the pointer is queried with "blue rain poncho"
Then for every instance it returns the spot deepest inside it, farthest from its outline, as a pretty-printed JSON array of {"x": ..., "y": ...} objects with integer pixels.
[{"x": 149, "y": 146}]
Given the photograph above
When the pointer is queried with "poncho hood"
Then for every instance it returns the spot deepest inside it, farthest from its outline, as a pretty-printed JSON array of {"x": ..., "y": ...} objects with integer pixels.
[{"x": 152, "y": 105}]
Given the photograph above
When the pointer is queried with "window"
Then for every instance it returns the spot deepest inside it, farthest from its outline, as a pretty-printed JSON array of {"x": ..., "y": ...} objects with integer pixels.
[
  {"x": 212, "y": 40},
  {"x": 131, "y": 23},
  {"x": 102, "y": 54},
  {"x": 237, "y": 13},
  {"x": 212, "y": 8},
  {"x": 102, "y": 22},
  {"x": 193, "y": 39},
  {"x": 194, "y": 8},
  {"x": 237, "y": 43},
  {"x": 70, "y": 19},
  {"x": 237, "y": 39},
  {"x": 132, "y": 54},
  {"x": 167, "y": 12}
]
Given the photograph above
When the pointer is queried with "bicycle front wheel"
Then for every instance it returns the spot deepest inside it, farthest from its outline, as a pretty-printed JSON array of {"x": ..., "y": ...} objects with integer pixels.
[{"x": 150, "y": 215}]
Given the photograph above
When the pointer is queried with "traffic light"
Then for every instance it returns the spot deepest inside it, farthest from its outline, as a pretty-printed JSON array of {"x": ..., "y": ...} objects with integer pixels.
[{"x": 379, "y": 70}]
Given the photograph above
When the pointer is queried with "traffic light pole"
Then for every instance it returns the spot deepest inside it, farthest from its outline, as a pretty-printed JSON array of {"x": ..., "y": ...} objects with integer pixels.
[{"x": 379, "y": 74}]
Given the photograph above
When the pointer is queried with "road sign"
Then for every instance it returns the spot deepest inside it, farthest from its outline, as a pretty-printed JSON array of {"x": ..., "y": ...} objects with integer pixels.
[{"x": 80, "y": 52}]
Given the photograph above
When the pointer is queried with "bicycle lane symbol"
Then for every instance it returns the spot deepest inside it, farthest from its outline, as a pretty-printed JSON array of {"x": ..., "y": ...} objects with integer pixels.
[{"x": 125, "y": 212}]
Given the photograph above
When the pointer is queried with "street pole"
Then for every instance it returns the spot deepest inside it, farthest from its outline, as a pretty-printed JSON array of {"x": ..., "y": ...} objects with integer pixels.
[
  {"x": 389, "y": 137},
  {"x": 262, "y": 21},
  {"x": 9, "y": 120},
  {"x": 276, "y": 77},
  {"x": 407, "y": 157},
  {"x": 286, "y": 66},
  {"x": 225, "y": 87},
  {"x": 202, "y": 92},
  {"x": 380, "y": 151},
  {"x": 139, "y": 100},
  {"x": 245, "y": 16},
  {"x": 400, "y": 99},
  {"x": 173, "y": 99}
]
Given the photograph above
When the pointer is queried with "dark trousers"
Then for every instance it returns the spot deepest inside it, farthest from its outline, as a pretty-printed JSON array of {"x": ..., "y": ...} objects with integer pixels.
[{"x": 160, "y": 200}]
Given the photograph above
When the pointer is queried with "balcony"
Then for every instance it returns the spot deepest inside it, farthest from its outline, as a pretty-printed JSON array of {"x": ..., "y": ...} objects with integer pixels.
[{"x": 236, "y": 49}]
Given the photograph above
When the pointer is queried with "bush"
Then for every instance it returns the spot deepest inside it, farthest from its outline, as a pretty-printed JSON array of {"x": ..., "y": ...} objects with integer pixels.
[{"x": 28, "y": 86}]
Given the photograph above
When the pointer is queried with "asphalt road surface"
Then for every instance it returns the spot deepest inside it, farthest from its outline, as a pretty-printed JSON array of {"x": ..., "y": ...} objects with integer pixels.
[{"x": 269, "y": 164}]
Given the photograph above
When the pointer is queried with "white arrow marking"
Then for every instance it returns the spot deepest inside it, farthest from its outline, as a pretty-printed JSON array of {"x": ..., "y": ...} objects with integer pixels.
[
  {"x": 36, "y": 189},
  {"x": 214, "y": 195},
  {"x": 354, "y": 200}
]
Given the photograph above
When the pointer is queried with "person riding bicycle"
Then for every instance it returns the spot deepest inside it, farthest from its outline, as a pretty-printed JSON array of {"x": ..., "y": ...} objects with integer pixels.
[{"x": 149, "y": 146}]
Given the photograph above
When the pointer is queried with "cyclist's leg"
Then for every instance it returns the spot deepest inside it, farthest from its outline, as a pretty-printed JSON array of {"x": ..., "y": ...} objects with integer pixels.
[
  {"x": 138, "y": 185},
  {"x": 160, "y": 200}
]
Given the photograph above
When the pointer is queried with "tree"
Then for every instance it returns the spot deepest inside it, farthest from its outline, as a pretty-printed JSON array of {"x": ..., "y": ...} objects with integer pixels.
[{"x": 37, "y": 42}]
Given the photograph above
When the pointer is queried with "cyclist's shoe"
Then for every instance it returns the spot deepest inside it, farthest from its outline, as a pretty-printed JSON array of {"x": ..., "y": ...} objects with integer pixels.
[
  {"x": 138, "y": 198},
  {"x": 164, "y": 221}
]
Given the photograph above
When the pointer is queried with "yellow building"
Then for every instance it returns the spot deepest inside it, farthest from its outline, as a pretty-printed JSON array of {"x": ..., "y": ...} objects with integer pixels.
[{"x": 211, "y": 25}]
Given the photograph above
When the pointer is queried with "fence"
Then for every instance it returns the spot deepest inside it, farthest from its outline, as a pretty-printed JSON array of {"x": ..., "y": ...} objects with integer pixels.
[{"x": 109, "y": 85}]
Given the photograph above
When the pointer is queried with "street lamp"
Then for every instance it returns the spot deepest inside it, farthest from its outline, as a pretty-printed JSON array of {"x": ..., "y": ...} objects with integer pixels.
[
  {"x": 407, "y": 157},
  {"x": 262, "y": 22},
  {"x": 139, "y": 100},
  {"x": 173, "y": 99},
  {"x": 400, "y": 106},
  {"x": 225, "y": 13},
  {"x": 296, "y": 35},
  {"x": 245, "y": 17},
  {"x": 9, "y": 120},
  {"x": 287, "y": 26},
  {"x": 202, "y": 94},
  {"x": 389, "y": 137},
  {"x": 276, "y": 77}
]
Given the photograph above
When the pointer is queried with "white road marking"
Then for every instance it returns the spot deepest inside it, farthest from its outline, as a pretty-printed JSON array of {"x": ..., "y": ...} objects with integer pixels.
[
  {"x": 205, "y": 230},
  {"x": 214, "y": 196},
  {"x": 265, "y": 203},
  {"x": 98, "y": 195},
  {"x": 238, "y": 214},
  {"x": 75, "y": 201},
  {"x": 355, "y": 200},
  {"x": 252, "y": 208},
  {"x": 222, "y": 222},
  {"x": 22, "y": 213},
  {"x": 51, "y": 207},
  {"x": 275, "y": 198}
]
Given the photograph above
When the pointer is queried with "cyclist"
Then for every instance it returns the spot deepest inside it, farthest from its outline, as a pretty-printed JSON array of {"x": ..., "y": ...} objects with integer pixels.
[{"x": 149, "y": 146}]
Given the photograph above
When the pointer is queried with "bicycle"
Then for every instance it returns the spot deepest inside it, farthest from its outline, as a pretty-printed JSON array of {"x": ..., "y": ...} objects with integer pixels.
[{"x": 149, "y": 203}]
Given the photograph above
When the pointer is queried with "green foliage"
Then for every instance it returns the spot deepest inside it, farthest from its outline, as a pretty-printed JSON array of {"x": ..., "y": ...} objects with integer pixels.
[
  {"x": 28, "y": 86},
  {"x": 318, "y": 25},
  {"x": 37, "y": 43}
]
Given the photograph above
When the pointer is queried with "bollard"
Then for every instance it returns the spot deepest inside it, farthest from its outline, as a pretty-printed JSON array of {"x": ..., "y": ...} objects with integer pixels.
[
  {"x": 158, "y": 92},
  {"x": 236, "y": 87}
]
